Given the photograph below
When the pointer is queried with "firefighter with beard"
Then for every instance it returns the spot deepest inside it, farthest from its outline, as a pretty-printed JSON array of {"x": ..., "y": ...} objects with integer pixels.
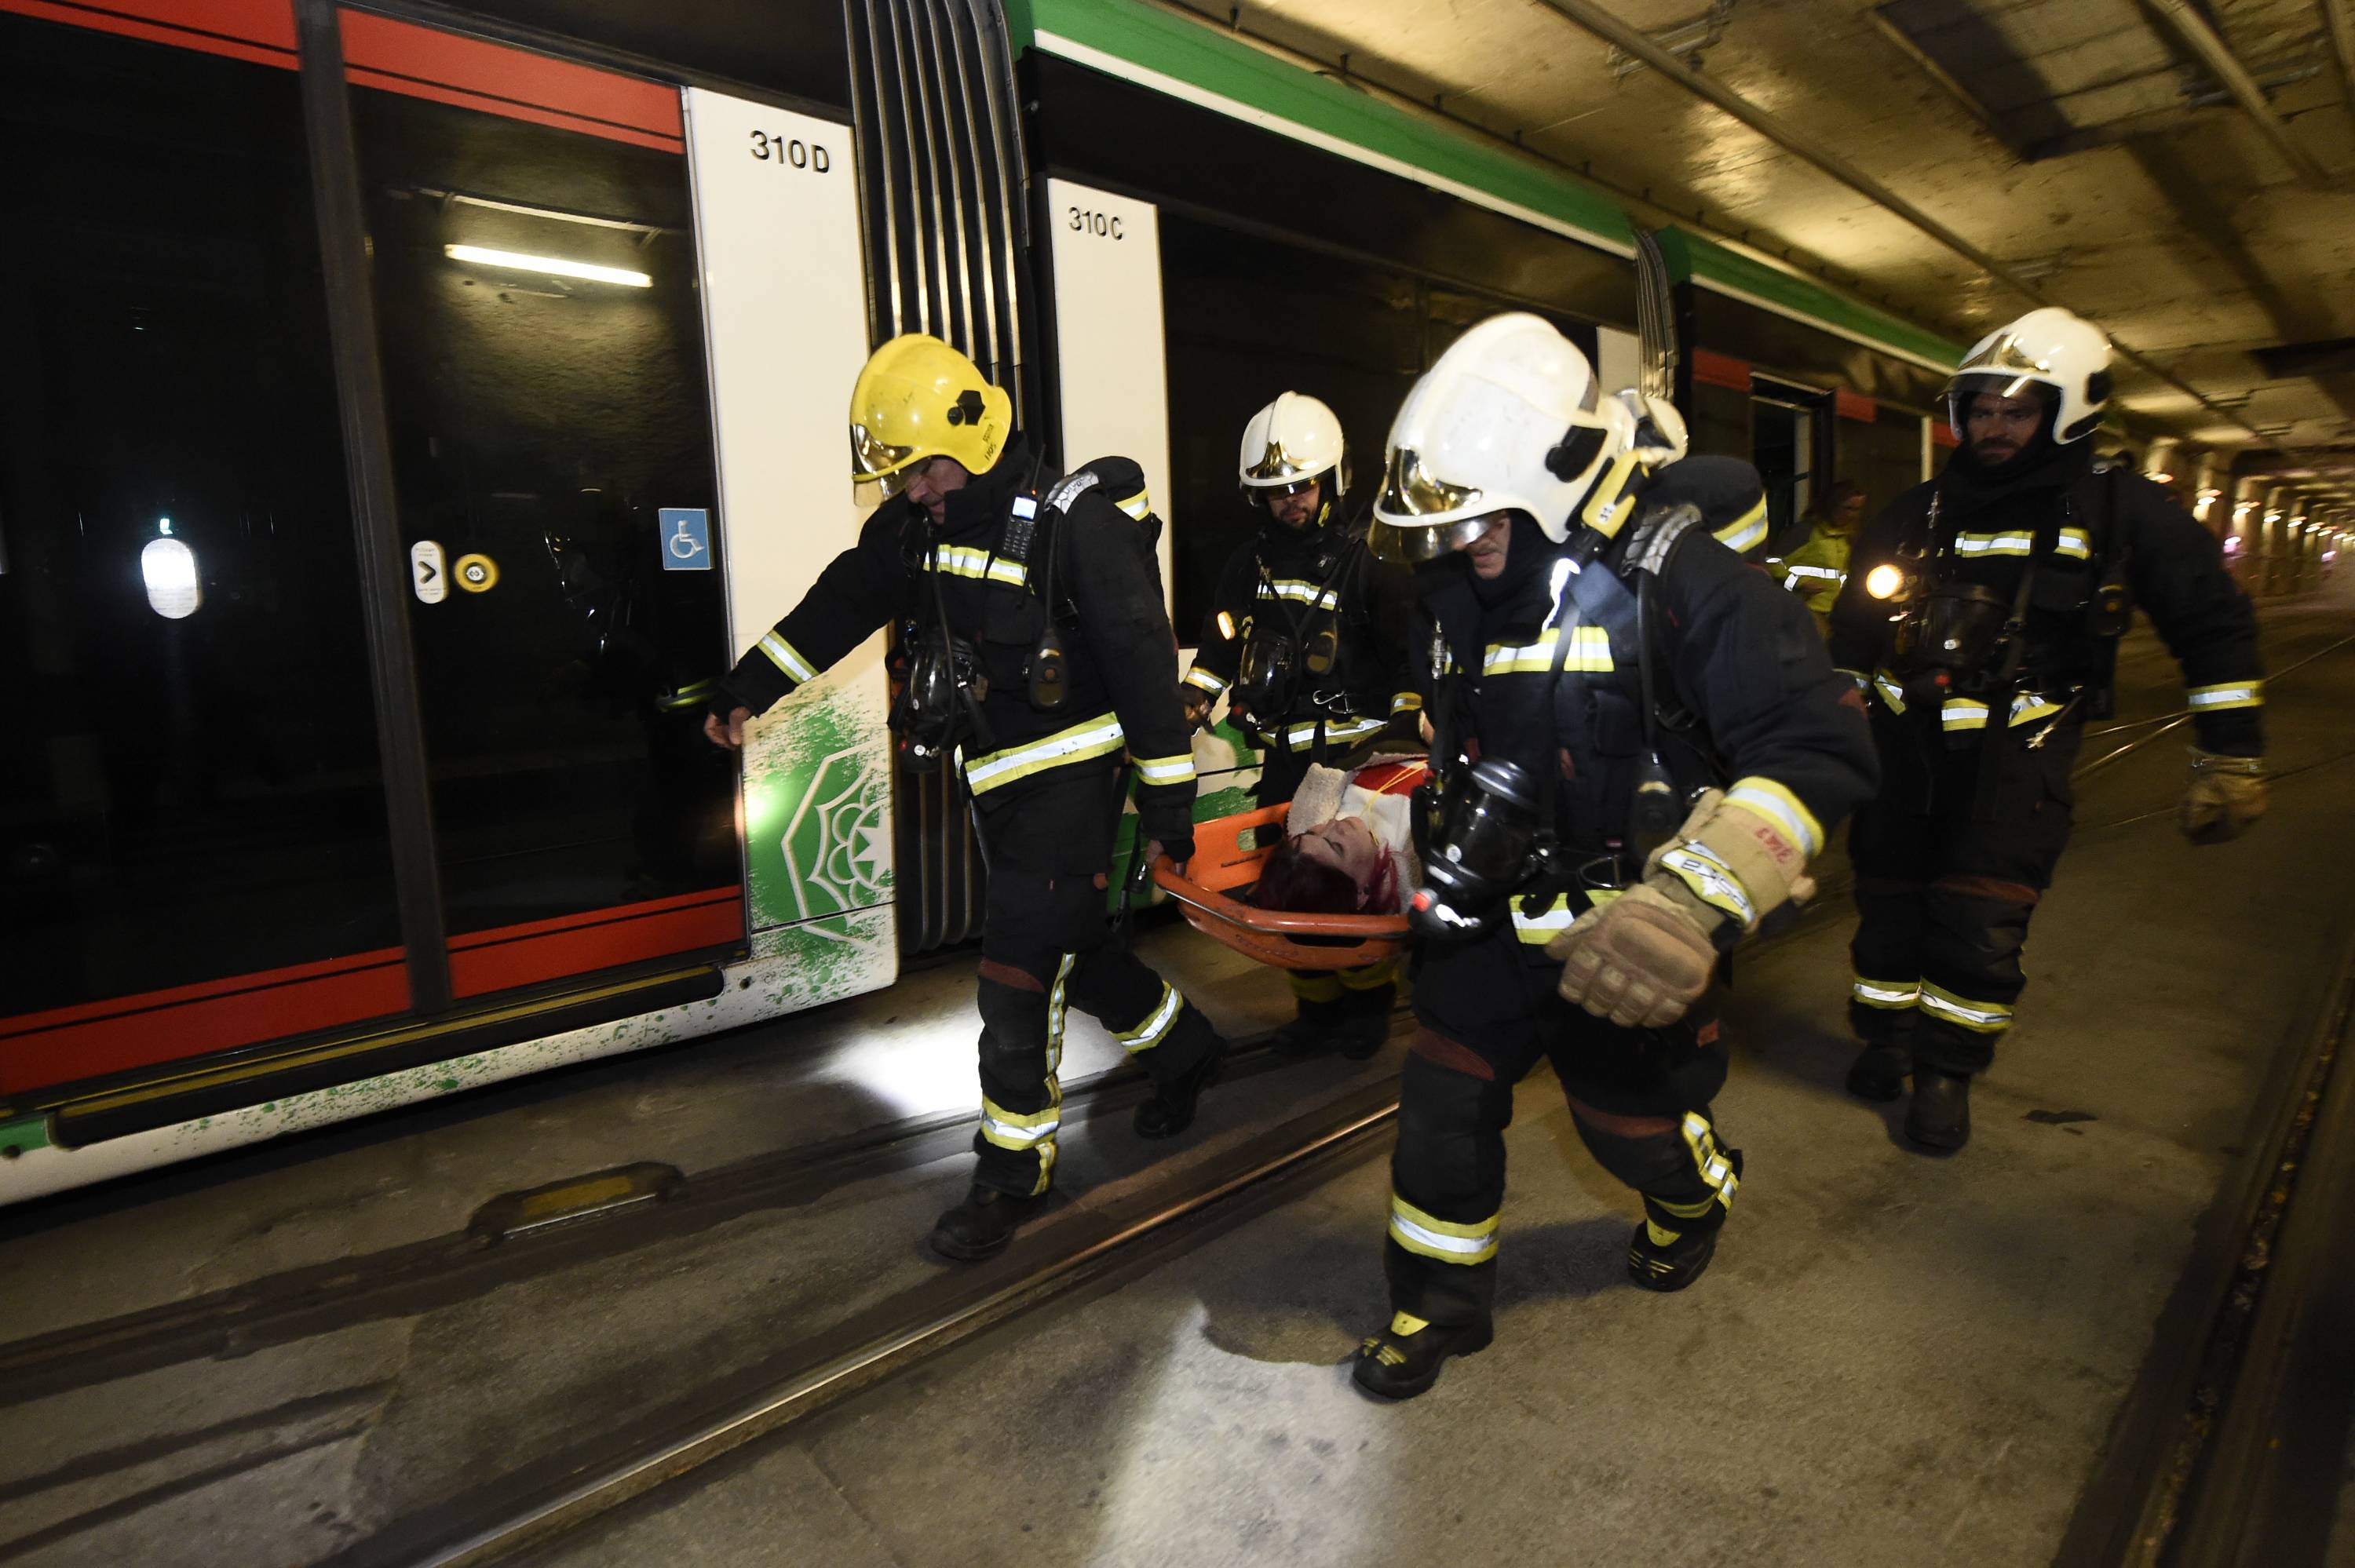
[
  {"x": 1642, "y": 744},
  {"x": 1310, "y": 639},
  {"x": 1035, "y": 648},
  {"x": 1981, "y": 616}
]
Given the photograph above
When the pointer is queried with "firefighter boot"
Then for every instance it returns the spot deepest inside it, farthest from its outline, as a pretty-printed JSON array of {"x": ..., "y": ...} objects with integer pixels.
[
  {"x": 1662, "y": 1259},
  {"x": 1940, "y": 1116},
  {"x": 1170, "y": 1110},
  {"x": 1365, "y": 1020},
  {"x": 981, "y": 1225},
  {"x": 1313, "y": 1030},
  {"x": 1405, "y": 1358},
  {"x": 1879, "y": 1071}
]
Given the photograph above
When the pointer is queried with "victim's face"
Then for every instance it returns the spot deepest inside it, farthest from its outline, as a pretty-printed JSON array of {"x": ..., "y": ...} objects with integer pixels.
[{"x": 1348, "y": 845}]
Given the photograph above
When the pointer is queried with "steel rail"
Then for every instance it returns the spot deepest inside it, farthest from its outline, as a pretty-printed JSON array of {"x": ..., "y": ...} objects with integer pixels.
[
  {"x": 800, "y": 1395},
  {"x": 2184, "y": 715}
]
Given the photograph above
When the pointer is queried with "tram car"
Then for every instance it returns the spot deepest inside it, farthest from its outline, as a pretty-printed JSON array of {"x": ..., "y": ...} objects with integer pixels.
[{"x": 411, "y": 406}]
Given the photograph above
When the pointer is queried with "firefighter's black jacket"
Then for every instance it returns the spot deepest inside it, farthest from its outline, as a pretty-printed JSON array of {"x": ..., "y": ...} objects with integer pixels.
[
  {"x": 1747, "y": 699},
  {"x": 1986, "y": 523},
  {"x": 1119, "y": 650},
  {"x": 1304, "y": 583}
]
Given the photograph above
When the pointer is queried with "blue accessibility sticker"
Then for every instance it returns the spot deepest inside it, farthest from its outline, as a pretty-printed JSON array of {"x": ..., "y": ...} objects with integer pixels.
[{"x": 685, "y": 538}]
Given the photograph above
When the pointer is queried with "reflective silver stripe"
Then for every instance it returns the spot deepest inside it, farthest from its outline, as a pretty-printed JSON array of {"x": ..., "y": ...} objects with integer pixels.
[
  {"x": 1299, "y": 592},
  {"x": 1203, "y": 680},
  {"x": 1712, "y": 880},
  {"x": 786, "y": 657},
  {"x": 1983, "y": 1017},
  {"x": 964, "y": 561},
  {"x": 1009, "y": 1130},
  {"x": 1778, "y": 805},
  {"x": 1150, "y": 1033},
  {"x": 2030, "y": 706},
  {"x": 2006, "y": 544},
  {"x": 1874, "y": 994},
  {"x": 1890, "y": 692},
  {"x": 1744, "y": 533},
  {"x": 1590, "y": 652},
  {"x": 1302, "y": 734},
  {"x": 1961, "y": 713},
  {"x": 1093, "y": 739},
  {"x": 2239, "y": 694},
  {"x": 1136, "y": 506},
  {"x": 1466, "y": 1245},
  {"x": 2073, "y": 542},
  {"x": 1406, "y": 702},
  {"x": 1541, "y": 927},
  {"x": 1830, "y": 573},
  {"x": 1715, "y": 1168},
  {"x": 1165, "y": 769}
]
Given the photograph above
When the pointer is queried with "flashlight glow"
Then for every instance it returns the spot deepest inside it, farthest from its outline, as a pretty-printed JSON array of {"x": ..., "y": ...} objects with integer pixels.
[
  {"x": 1883, "y": 581},
  {"x": 1226, "y": 626}
]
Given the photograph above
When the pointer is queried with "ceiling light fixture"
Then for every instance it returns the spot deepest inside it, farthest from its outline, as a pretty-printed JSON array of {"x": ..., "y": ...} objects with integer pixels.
[{"x": 547, "y": 265}]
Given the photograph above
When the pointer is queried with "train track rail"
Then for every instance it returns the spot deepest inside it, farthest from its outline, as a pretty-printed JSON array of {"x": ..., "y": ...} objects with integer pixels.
[
  {"x": 1081, "y": 1244},
  {"x": 518, "y": 1236}
]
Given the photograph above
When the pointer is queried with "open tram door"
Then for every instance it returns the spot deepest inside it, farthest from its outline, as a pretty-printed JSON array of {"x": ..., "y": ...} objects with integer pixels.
[{"x": 388, "y": 778}]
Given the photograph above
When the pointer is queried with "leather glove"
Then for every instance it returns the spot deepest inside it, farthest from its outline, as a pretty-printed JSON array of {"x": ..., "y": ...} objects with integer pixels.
[
  {"x": 1641, "y": 959},
  {"x": 2225, "y": 795},
  {"x": 1196, "y": 705}
]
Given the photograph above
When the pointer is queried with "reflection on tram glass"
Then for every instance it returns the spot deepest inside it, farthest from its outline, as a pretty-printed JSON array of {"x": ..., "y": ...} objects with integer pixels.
[
  {"x": 169, "y": 569},
  {"x": 556, "y": 265}
]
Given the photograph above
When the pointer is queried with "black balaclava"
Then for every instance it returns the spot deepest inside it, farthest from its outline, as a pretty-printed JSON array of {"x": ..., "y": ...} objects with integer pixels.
[
  {"x": 981, "y": 502},
  {"x": 1529, "y": 556}
]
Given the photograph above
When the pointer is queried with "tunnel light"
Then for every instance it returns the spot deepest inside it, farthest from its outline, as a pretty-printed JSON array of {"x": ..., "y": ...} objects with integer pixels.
[
  {"x": 1884, "y": 581},
  {"x": 169, "y": 568},
  {"x": 2232, "y": 544},
  {"x": 547, "y": 265},
  {"x": 2162, "y": 479}
]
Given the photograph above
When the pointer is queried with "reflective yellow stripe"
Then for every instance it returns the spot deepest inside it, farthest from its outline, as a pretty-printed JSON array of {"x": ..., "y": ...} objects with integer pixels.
[
  {"x": 787, "y": 657},
  {"x": 1165, "y": 769},
  {"x": 2007, "y": 543},
  {"x": 2029, "y": 706},
  {"x": 2026, "y": 707},
  {"x": 1886, "y": 993},
  {"x": 1712, "y": 880},
  {"x": 1978, "y": 1017},
  {"x": 1136, "y": 506},
  {"x": 1368, "y": 976},
  {"x": 1018, "y": 1130},
  {"x": 1202, "y": 680},
  {"x": 1713, "y": 1166},
  {"x": 1156, "y": 1025},
  {"x": 965, "y": 561},
  {"x": 1093, "y": 737},
  {"x": 2075, "y": 543},
  {"x": 1891, "y": 691},
  {"x": 1863, "y": 682},
  {"x": 1442, "y": 1240},
  {"x": 1299, "y": 592},
  {"x": 1335, "y": 732},
  {"x": 1961, "y": 713},
  {"x": 1547, "y": 924},
  {"x": 1589, "y": 651},
  {"x": 1745, "y": 530},
  {"x": 1779, "y": 806},
  {"x": 2233, "y": 695},
  {"x": 1693, "y": 1210},
  {"x": 1406, "y": 702},
  {"x": 1312, "y": 987}
]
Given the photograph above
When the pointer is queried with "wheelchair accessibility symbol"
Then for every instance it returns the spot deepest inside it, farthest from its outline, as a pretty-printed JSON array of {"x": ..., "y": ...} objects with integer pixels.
[{"x": 685, "y": 538}]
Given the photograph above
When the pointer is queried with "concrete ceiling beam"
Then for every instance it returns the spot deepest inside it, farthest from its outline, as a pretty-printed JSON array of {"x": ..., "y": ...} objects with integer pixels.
[
  {"x": 2179, "y": 17},
  {"x": 2338, "y": 19},
  {"x": 1593, "y": 17}
]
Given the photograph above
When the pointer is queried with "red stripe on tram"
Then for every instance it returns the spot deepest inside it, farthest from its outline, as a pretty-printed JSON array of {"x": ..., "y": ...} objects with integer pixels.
[
  {"x": 425, "y": 62},
  {"x": 260, "y": 31}
]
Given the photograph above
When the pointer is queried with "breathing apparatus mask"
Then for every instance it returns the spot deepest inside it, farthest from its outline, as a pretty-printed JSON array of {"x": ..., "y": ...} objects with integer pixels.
[
  {"x": 938, "y": 708},
  {"x": 1485, "y": 844}
]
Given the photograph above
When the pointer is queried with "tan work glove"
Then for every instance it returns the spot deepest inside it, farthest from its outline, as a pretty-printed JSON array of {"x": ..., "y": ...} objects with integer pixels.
[
  {"x": 1735, "y": 860},
  {"x": 1641, "y": 959},
  {"x": 1197, "y": 703},
  {"x": 2226, "y": 794}
]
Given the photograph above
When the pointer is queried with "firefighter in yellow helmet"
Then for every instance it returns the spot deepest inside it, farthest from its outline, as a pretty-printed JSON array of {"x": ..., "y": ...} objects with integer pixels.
[{"x": 1034, "y": 653}]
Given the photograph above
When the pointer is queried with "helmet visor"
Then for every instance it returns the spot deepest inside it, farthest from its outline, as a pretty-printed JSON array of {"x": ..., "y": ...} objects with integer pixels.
[
  {"x": 1276, "y": 466},
  {"x": 874, "y": 461},
  {"x": 1410, "y": 490},
  {"x": 1412, "y": 545},
  {"x": 2005, "y": 367}
]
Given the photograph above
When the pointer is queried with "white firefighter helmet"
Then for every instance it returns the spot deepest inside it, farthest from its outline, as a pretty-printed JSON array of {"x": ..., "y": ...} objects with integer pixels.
[
  {"x": 1294, "y": 440},
  {"x": 2046, "y": 347},
  {"x": 1660, "y": 437},
  {"x": 1507, "y": 420}
]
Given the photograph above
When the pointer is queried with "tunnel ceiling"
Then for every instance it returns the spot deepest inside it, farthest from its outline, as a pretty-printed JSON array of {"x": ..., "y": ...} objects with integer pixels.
[{"x": 2081, "y": 143}]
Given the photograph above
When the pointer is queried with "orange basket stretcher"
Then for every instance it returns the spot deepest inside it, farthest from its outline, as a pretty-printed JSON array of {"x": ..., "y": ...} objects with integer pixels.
[{"x": 1223, "y": 869}]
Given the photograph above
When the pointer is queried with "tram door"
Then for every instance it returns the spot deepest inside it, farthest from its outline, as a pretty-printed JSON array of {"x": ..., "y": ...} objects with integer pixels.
[{"x": 533, "y": 253}]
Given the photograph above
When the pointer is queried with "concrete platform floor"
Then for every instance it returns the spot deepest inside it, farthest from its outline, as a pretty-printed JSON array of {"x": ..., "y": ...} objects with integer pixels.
[{"x": 1895, "y": 1359}]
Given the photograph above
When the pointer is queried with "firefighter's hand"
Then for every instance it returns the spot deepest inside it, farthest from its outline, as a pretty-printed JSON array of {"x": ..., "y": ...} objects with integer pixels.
[
  {"x": 1640, "y": 960},
  {"x": 1198, "y": 706},
  {"x": 728, "y": 732},
  {"x": 2226, "y": 795},
  {"x": 1180, "y": 853}
]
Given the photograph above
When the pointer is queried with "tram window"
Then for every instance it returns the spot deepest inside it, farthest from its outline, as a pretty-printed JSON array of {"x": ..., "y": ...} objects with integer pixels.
[
  {"x": 189, "y": 784},
  {"x": 1247, "y": 318},
  {"x": 1720, "y": 420},
  {"x": 537, "y": 303},
  {"x": 1882, "y": 455}
]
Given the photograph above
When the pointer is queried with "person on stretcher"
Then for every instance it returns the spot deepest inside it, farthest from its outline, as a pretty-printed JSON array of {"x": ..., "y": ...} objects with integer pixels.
[{"x": 1349, "y": 842}]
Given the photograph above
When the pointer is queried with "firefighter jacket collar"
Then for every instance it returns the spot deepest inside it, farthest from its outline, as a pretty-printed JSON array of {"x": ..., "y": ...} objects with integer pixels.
[
  {"x": 980, "y": 506},
  {"x": 2043, "y": 466}
]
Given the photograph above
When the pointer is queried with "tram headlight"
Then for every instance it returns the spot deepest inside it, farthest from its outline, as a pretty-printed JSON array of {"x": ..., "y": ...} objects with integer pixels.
[{"x": 1884, "y": 581}]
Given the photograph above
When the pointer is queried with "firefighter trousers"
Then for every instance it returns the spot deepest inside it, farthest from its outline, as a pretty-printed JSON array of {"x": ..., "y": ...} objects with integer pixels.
[
  {"x": 1046, "y": 948},
  {"x": 1950, "y": 864},
  {"x": 1640, "y": 1098}
]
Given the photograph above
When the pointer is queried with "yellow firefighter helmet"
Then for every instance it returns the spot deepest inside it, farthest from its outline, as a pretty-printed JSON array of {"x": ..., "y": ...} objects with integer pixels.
[{"x": 918, "y": 398}]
